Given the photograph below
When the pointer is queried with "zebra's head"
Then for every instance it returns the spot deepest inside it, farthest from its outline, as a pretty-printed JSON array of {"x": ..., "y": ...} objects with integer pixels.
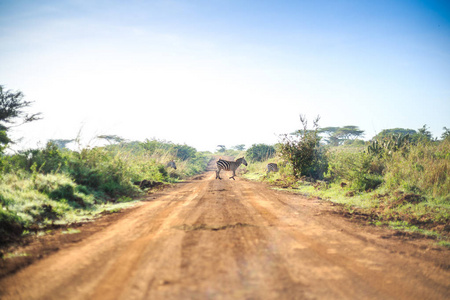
[
  {"x": 172, "y": 164},
  {"x": 242, "y": 160}
]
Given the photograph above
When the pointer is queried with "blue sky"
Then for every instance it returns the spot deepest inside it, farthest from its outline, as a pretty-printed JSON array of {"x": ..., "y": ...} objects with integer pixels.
[{"x": 225, "y": 72}]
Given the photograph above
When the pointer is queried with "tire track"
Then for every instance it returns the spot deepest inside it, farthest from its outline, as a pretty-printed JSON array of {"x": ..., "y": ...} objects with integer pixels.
[{"x": 224, "y": 239}]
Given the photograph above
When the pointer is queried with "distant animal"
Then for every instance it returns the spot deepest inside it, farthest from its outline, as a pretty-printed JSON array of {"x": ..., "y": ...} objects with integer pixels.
[
  {"x": 229, "y": 166},
  {"x": 171, "y": 164},
  {"x": 272, "y": 167}
]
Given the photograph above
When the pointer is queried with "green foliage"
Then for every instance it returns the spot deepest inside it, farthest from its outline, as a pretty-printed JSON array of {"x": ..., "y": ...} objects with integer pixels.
[
  {"x": 397, "y": 178},
  {"x": 413, "y": 136},
  {"x": 386, "y": 133},
  {"x": 57, "y": 187},
  {"x": 361, "y": 170},
  {"x": 260, "y": 152},
  {"x": 240, "y": 147},
  {"x": 303, "y": 151},
  {"x": 39, "y": 187},
  {"x": 341, "y": 135},
  {"x": 389, "y": 144},
  {"x": 354, "y": 143},
  {"x": 424, "y": 169},
  {"x": 221, "y": 148},
  {"x": 424, "y": 134},
  {"x": 12, "y": 107},
  {"x": 61, "y": 143},
  {"x": 163, "y": 148},
  {"x": 446, "y": 133},
  {"x": 184, "y": 152}
]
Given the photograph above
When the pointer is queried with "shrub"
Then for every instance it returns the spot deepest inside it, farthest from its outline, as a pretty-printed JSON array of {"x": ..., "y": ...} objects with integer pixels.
[
  {"x": 45, "y": 186},
  {"x": 184, "y": 152},
  {"x": 425, "y": 168},
  {"x": 361, "y": 169},
  {"x": 303, "y": 151},
  {"x": 260, "y": 152}
]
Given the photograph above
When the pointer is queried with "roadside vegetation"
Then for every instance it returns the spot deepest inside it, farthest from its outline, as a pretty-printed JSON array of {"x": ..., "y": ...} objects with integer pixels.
[
  {"x": 401, "y": 178},
  {"x": 43, "y": 188},
  {"x": 55, "y": 186}
]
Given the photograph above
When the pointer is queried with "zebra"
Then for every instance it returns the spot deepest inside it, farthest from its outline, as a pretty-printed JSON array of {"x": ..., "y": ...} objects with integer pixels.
[
  {"x": 229, "y": 166},
  {"x": 272, "y": 167},
  {"x": 171, "y": 164}
]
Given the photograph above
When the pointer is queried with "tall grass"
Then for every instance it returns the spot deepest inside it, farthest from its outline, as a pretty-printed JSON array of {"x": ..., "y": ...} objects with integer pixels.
[
  {"x": 360, "y": 169},
  {"x": 43, "y": 187},
  {"x": 423, "y": 169}
]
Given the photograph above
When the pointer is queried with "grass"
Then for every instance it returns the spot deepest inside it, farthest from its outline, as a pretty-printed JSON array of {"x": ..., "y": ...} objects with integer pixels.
[
  {"x": 15, "y": 254},
  {"x": 70, "y": 231},
  {"x": 407, "y": 190},
  {"x": 50, "y": 187},
  {"x": 427, "y": 218},
  {"x": 33, "y": 203}
]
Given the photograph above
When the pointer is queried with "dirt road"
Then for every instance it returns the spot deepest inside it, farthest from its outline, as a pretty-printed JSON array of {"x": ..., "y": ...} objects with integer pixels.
[{"x": 225, "y": 239}]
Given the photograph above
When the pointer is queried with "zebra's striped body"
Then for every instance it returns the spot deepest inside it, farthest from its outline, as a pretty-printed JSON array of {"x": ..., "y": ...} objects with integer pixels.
[
  {"x": 229, "y": 166},
  {"x": 171, "y": 164},
  {"x": 272, "y": 167}
]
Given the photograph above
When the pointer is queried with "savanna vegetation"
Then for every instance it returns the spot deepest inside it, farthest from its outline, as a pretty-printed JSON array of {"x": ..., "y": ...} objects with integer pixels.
[
  {"x": 55, "y": 186},
  {"x": 401, "y": 178}
]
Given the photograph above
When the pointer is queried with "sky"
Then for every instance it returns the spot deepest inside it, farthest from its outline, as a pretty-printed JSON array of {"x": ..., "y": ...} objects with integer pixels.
[{"x": 224, "y": 72}]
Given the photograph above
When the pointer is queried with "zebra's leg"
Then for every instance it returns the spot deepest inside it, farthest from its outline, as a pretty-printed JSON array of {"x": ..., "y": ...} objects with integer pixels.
[
  {"x": 232, "y": 177},
  {"x": 218, "y": 174}
]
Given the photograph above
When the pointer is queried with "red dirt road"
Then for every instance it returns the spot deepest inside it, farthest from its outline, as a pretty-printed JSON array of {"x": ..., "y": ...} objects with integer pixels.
[{"x": 225, "y": 239}]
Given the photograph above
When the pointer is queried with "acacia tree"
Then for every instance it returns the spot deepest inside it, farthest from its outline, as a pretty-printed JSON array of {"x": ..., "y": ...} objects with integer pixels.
[
  {"x": 112, "y": 139},
  {"x": 12, "y": 106},
  {"x": 338, "y": 135},
  {"x": 222, "y": 148}
]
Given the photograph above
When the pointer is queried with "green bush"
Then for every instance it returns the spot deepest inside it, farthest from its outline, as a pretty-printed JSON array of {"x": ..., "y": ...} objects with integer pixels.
[
  {"x": 260, "y": 152},
  {"x": 184, "y": 152},
  {"x": 304, "y": 153},
  {"x": 48, "y": 160},
  {"x": 360, "y": 169},
  {"x": 52, "y": 185}
]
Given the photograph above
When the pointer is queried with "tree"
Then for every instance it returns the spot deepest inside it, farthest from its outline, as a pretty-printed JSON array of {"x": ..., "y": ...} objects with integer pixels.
[
  {"x": 260, "y": 152},
  {"x": 222, "y": 148},
  {"x": 112, "y": 139},
  {"x": 424, "y": 134},
  {"x": 240, "y": 147},
  {"x": 12, "y": 106},
  {"x": 446, "y": 133},
  {"x": 386, "y": 133},
  {"x": 184, "y": 152},
  {"x": 330, "y": 132},
  {"x": 339, "y": 135},
  {"x": 61, "y": 143}
]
